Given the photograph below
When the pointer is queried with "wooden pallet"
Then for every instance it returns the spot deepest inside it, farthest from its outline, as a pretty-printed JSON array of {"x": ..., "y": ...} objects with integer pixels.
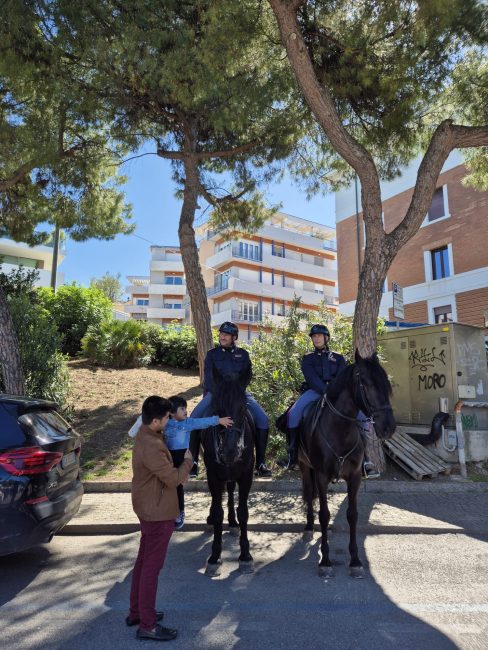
[{"x": 415, "y": 459}]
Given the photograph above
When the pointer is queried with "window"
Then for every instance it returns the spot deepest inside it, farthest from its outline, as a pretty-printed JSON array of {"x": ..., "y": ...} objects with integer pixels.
[
  {"x": 437, "y": 210},
  {"x": 278, "y": 250},
  {"x": 22, "y": 261},
  {"x": 172, "y": 305},
  {"x": 173, "y": 279},
  {"x": 440, "y": 263},
  {"x": 249, "y": 311},
  {"x": 142, "y": 302},
  {"x": 247, "y": 251},
  {"x": 443, "y": 314}
]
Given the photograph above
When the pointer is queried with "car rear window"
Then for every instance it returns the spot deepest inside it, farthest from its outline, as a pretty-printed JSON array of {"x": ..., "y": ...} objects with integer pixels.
[
  {"x": 11, "y": 435},
  {"x": 45, "y": 426}
]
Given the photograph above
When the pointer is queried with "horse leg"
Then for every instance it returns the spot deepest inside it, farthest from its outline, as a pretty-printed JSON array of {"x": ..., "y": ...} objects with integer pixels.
[
  {"x": 245, "y": 558},
  {"x": 355, "y": 567},
  {"x": 325, "y": 565},
  {"x": 309, "y": 493},
  {"x": 231, "y": 511},
  {"x": 217, "y": 515}
]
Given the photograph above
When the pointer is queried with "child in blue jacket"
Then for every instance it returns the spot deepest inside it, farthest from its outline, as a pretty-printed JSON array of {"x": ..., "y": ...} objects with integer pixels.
[{"x": 177, "y": 437}]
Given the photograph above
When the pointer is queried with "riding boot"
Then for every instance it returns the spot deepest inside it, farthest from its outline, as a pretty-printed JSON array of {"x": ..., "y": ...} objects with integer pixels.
[
  {"x": 293, "y": 438},
  {"x": 261, "y": 444},
  {"x": 195, "y": 450},
  {"x": 369, "y": 468}
]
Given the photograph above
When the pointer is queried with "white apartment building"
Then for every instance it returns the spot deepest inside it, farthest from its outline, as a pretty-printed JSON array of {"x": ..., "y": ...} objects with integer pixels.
[
  {"x": 249, "y": 279},
  {"x": 158, "y": 298},
  {"x": 257, "y": 276},
  {"x": 15, "y": 254}
]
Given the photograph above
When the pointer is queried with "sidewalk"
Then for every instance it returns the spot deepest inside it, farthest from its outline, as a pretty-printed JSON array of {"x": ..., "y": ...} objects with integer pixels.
[{"x": 451, "y": 506}]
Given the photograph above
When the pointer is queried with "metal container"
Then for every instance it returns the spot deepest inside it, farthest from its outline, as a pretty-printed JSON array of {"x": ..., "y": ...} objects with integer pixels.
[{"x": 431, "y": 368}]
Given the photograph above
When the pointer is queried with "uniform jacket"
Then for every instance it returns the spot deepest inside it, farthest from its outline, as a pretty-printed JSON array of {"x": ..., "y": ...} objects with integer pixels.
[
  {"x": 230, "y": 362},
  {"x": 155, "y": 478},
  {"x": 320, "y": 366}
]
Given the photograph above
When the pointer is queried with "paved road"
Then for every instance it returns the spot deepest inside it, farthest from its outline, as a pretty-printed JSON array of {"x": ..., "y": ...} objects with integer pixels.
[{"x": 421, "y": 591}]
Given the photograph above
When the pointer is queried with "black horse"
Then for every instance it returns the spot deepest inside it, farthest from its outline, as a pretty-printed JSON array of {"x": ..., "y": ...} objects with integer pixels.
[
  {"x": 229, "y": 459},
  {"x": 332, "y": 447}
]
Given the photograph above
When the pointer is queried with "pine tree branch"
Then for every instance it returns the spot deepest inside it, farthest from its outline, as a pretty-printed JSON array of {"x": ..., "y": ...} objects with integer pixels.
[{"x": 206, "y": 155}]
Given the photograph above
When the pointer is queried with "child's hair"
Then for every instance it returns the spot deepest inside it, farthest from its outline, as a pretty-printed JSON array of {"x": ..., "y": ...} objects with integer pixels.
[
  {"x": 155, "y": 407},
  {"x": 177, "y": 402}
]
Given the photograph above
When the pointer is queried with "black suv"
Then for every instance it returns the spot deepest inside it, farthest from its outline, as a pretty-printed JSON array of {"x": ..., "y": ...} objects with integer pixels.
[{"x": 40, "y": 487}]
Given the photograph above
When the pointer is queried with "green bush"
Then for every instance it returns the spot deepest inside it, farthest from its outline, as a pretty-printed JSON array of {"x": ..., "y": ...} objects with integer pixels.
[
  {"x": 45, "y": 369},
  {"x": 75, "y": 309},
  {"x": 120, "y": 344},
  {"x": 176, "y": 346}
]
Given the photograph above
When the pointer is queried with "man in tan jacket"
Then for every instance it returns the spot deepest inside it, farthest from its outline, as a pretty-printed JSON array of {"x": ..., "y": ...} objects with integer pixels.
[{"x": 155, "y": 502}]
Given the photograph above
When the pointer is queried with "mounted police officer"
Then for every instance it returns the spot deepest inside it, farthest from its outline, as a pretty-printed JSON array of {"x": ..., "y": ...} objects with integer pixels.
[
  {"x": 229, "y": 360},
  {"x": 319, "y": 367}
]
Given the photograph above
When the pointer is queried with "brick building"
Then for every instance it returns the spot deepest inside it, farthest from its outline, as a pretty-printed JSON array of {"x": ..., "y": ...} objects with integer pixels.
[{"x": 443, "y": 269}]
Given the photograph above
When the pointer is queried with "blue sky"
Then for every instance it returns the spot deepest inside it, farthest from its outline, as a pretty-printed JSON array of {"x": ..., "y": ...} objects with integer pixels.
[{"x": 156, "y": 213}]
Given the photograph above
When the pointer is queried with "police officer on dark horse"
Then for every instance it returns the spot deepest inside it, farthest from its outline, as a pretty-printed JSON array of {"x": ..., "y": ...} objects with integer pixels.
[
  {"x": 231, "y": 361},
  {"x": 319, "y": 367}
]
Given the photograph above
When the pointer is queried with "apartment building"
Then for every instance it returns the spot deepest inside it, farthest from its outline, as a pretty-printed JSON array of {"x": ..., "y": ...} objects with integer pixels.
[
  {"x": 258, "y": 276},
  {"x": 15, "y": 254},
  {"x": 443, "y": 269},
  {"x": 158, "y": 298}
]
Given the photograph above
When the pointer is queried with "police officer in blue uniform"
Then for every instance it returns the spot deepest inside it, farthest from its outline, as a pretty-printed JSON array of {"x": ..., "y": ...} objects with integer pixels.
[
  {"x": 318, "y": 367},
  {"x": 229, "y": 359}
]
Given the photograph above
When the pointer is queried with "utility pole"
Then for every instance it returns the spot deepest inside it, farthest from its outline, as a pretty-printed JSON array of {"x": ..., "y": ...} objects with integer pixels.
[{"x": 54, "y": 269}]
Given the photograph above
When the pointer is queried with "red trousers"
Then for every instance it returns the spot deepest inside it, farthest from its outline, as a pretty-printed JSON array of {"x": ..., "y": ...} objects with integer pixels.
[{"x": 155, "y": 536}]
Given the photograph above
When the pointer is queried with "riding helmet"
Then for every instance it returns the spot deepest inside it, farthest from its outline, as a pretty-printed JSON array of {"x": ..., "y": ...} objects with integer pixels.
[
  {"x": 319, "y": 329},
  {"x": 229, "y": 328}
]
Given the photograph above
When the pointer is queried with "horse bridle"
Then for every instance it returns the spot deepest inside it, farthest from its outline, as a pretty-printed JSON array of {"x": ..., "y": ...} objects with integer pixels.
[{"x": 371, "y": 412}]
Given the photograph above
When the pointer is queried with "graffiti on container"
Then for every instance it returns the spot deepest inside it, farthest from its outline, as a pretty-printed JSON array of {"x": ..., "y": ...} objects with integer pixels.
[
  {"x": 426, "y": 358},
  {"x": 432, "y": 382},
  {"x": 470, "y": 421}
]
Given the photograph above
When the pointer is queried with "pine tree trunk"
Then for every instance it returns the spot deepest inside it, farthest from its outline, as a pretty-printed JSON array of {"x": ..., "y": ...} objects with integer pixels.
[
  {"x": 13, "y": 377},
  {"x": 189, "y": 253}
]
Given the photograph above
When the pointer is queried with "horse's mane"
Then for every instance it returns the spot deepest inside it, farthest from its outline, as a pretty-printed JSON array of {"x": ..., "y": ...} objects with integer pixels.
[
  {"x": 372, "y": 366},
  {"x": 229, "y": 396}
]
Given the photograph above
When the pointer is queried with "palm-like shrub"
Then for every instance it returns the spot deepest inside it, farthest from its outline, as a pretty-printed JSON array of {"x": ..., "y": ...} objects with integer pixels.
[{"x": 119, "y": 344}]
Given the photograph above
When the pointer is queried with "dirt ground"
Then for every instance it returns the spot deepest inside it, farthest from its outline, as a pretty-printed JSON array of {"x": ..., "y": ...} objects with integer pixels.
[{"x": 105, "y": 404}]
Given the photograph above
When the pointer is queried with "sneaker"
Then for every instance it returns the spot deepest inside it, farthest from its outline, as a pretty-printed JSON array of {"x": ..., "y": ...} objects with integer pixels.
[
  {"x": 159, "y": 633},
  {"x": 180, "y": 520},
  {"x": 263, "y": 472},
  {"x": 194, "y": 470},
  {"x": 370, "y": 470}
]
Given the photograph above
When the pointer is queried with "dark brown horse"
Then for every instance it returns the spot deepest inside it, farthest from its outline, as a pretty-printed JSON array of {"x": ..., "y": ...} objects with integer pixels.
[
  {"x": 332, "y": 447},
  {"x": 229, "y": 459}
]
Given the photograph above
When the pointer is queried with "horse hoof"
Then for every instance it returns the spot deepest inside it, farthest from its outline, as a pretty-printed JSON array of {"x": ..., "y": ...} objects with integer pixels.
[
  {"x": 246, "y": 567},
  {"x": 208, "y": 528},
  {"x": 235, "y": 531},
  {"x": 307, "y": 536},
  {"x": 326, "y": 572},
  {"x": 356, "y": 572},
  {"x": 213, "y": 570}
]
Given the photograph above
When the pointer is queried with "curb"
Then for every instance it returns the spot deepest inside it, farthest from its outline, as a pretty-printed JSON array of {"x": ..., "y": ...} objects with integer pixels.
[
  {"x": 291, "y": 527},
  {"x": 266, "y": 485}
]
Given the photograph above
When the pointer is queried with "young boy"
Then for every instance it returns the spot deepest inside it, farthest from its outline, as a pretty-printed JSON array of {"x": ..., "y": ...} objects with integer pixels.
[
  {"x": 155, "y": 503},
  {"x": 177, "y": 437}
]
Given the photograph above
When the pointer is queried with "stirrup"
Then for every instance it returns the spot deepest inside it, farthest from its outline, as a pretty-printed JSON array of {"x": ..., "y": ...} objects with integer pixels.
[
  {"x": 263, "y": 471},
  {"x": 370, "y": 470}
]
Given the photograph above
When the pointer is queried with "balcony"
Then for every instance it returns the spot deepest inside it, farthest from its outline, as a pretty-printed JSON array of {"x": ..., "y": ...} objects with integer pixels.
[
  {"x": 166, "y": 289},
  {"x": 135, "y": 309},
  {"x": 165, "y": 313},
  {"x": 137, "y": 288},
  {"x": 260, "y": 290},
  {"x": 166, "y": 265},
  {"x": 292, "y": 263}
]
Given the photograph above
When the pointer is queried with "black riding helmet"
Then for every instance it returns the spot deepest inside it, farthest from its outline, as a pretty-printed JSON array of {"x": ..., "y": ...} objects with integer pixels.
[
  {"x": 319, "y": 329},
  {"x": 229, "y": 328}
]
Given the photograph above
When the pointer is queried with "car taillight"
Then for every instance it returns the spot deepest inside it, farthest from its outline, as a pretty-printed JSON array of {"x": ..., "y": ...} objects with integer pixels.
[{"x": 28, "y": 460}]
